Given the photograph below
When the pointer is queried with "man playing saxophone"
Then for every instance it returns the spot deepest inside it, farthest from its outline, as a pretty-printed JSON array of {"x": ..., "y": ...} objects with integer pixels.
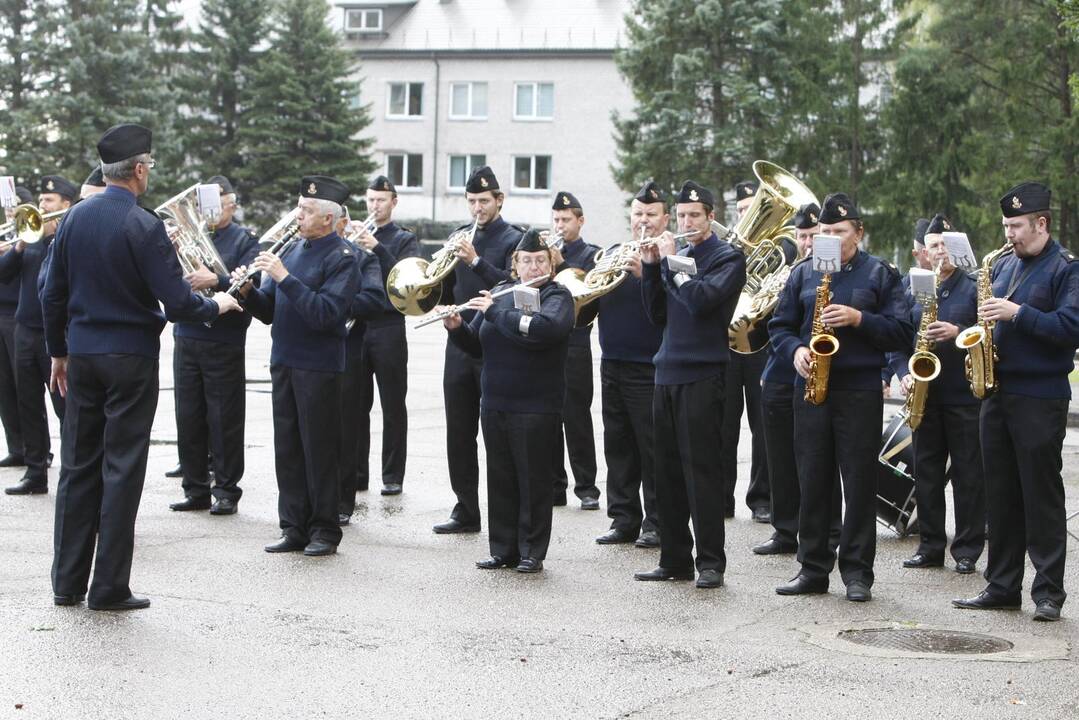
[
  {"x": 949, "y": 420},
  {"x": 1035, "y": 309},
  {"x": 869, "y": 316}
]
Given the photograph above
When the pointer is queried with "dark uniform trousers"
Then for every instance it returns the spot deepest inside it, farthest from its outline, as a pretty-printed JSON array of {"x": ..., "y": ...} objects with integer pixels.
[
  {"x": 33, "y": 368},
  {"x": 627, "y": 389},
  {"x": 9, "y": 399},
  {"x": 744, "y": 375},
  {"x": 520, "y": 460},
  {"x": 111, "y": 401},
  {"x": 843, "y": 432},
  {"x": 210, "y": 414},
  {"x": 1022, "y": 439},
  {"x": 577, "y": 419},
  {"x": 688, "y": 448},
  {"x": 949, "y": 431},
  {"x": 461, "y": 387},
  {"x": 351, "y": 413},
  {"x": 384, "y": 359},
  {"x": 307, "y": 446}
]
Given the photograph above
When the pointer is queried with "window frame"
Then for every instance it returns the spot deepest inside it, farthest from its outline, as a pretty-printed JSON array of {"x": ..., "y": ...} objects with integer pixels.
[
  {"x": 534, "y": 117},
  {"x": 469, "y": 167},
  {"x": 365, "y": 29},
  {"x": 531, "y": 190},
  {"x": 405, "y": 164},
  {"x": 471, "y": 100},
  {"x": 390, "y": 115}
]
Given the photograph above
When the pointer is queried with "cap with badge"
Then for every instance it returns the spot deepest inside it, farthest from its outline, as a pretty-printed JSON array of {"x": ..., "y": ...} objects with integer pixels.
[
  {"x": 920, "y": 226},
  {"x": 382, "y": 184},
  {"x": 60, "y": 186},
  {"x": 95, "y": 178},
  {"x": 1025, "y": 198},
  {"x": 744, "y": 190},
  {"x": 531, "y": 241},
  {"x": 808, "y": 216},
  {"x": 24, "y": 195},
  {"x": 691, "y": 192},
  {"x": 121, "y": 142},
  {"x": 323, "y": 187},
  {"x": 650, "y": 193},
  {"x": 482, "y": 179},
  {"x": 938, "y": 225},
  {"x": 565, "y": 201},
  {"x": 837, "y": 208},
  {"x": 226, "y": 186}
]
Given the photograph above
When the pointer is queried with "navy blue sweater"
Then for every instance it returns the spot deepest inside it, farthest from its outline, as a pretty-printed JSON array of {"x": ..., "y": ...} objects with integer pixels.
[
  {"x": 521, "y": 373},
  {"x": 9, "y": 291},
  {"x": 695, "y": 316},
  {"x": 237, "y": 247},
  {"x": 581, "y": 255},
  {"x": 776, "y": 370},
  {"x": 494, "y": 244},
  {"x": 21, "y": 268},
  {"x": 112, "y": 263},
  {"x": 866, "y": 284},
  {"x": 369, "y": 302},
  {"x": 309, "y": 308},
  {"x": 394, "y": 243},
  {"x": 1037, "y": 348},
  {"x": 625, "y": 334}
]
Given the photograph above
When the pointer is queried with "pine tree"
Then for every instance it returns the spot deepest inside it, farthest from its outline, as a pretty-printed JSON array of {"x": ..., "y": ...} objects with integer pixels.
[
  {"x": 25, "y": 43},
  {"x": 162, "y": 23}
]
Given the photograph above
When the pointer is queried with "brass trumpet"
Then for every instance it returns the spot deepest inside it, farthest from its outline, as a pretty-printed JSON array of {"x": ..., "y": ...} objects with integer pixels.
[{"x": 29, "y": 224}]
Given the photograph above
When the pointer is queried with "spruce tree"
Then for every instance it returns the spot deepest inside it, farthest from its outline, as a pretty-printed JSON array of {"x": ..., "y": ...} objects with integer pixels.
[{"x": 25, "y": 45}]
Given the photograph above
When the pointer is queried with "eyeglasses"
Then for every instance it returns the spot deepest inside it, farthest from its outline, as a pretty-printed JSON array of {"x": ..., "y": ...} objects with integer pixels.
[{"x": 149, "y": 163}]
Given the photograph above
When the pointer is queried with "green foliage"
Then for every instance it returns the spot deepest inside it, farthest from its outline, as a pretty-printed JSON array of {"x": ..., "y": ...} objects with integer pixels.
[{"x": 24, "y": 58}]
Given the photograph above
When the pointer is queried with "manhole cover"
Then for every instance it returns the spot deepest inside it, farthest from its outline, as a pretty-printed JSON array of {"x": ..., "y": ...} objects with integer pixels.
[{"x": 937, "y": 642}]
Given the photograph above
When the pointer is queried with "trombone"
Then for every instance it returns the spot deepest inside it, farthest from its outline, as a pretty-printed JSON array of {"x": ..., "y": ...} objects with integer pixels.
[{"x": 28, "y": 224}]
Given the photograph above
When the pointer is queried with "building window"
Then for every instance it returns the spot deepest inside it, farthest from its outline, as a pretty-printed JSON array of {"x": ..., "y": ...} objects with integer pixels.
[
  {"x": 532, "y": 172},
  {"x": 405, "y": 100},
  {"x": 363, "y": 21},
  {"x": 405, "y": 171},
  {"x": 461, "y": 166},
  {"x": 533, "y": 101},
  {"x": 468, "y": 101}
]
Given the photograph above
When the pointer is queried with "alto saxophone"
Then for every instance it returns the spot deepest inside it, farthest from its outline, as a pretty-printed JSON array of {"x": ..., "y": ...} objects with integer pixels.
[
  {"x": 924, "y": 366},
  {"x": 977, "y": 340},
  {"x": 823, "y": 344}
]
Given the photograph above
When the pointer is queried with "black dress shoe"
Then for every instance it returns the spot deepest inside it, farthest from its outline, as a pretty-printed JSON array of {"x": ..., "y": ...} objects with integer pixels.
[
  {"x": 343, "y": 519},
  {"x": 728, "y": 511},
  {"x": 529, "y": 565},
  {"x": 132, "y": 603},
  {"x": 859, "y": 592},
  {"x": 29, "y": 486},
  {"x": 614, "y": 536},
  {"x": 391, "y": 489},
  {"x": 285, "y": 545},
  {"x": 12, "y": 460},
  {"x": 774, "y": 547},
  {"x": 497, "y": 561},
  {"x": 191, "y": 504},
  {"x": 454, "y": 527},
  {"x": 175, "y": 472},
  {"x": 318, "y": 548},
  {"x": 966, "y": 566},
  {"x": 921, "y": 560},
  {"x": 223, "y": 506},
  {"x": 802, "y": 585},
  {"x": 647, "y": 539},
  {"x": 590, "y": 503},
  {"x": 662, "y": 573},
  {"x": 1048, "y": 611},
  {"x": 68, "y": 600},
  {"x": 559, "y": 500},
  {"x": 987, "y": 601},
  {"x": 762, "y": 515},
  {"x": 710, "y": 579}
]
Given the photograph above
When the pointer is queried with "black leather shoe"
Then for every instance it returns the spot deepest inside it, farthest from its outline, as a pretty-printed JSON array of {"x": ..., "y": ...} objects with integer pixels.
[
  {"x": 391, "y": 489},
  {"x": 223, "y": 506},
  {"x": 710, "y": 579},
  {"x": 987, "y": 601},
  {"x": 343, "y": 519},
  {"x": 966, "y": 566},
  {"x": 859, "y": 592},
  {"x": 802, "y": 585},
  {"x": 614, "y": 536},
  {"x": 318, "y": 548},
  {"x": 647, "y": 539},
  {"x": 68, "y": 600},
  {"x": 1048, "y": 611},
  {"x": 762, "y": 515},
  {"x": 132, "y": 603},
  {"x": 774, "y": 547},
  {"x": 361, "y": 488},
  {"x": 497, "y": 561},
  {"x": 285, "y": 545},
  {"x": 921, "y": 560},
  {"x": 662, "y": 573},
  {"x": 559, "y": 500},
  {"x": 455, "y": 527},
  {"x": 28, "y": 486},
  {"x": 175, "y": 472},
  {"x": 529, "y": 565},
  {"x": 590, "y": 503},
  {"x": 12, "y": 460},
  {"x": 191, "y": 504}
]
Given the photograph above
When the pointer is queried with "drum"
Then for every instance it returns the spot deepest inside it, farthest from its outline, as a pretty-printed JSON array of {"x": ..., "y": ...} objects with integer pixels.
[{"x": 895, "y": 485}]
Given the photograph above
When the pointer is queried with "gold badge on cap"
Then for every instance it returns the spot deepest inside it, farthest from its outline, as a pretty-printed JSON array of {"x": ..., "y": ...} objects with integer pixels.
[
  {"x": 1015, "y": 202},
  {"x": 312, "y": 189},
  {"x": 565, "y": 200},
  {"x": 947, "y": 226},
  {"x": 50, "y": 185},
  {"x": 694, "y": 196},
  {"x": 654, "y": 194},
  {"x": 842, "y": 211},
  {"x": 812, "y": 218},
  {"x": 483, "y": 182}
]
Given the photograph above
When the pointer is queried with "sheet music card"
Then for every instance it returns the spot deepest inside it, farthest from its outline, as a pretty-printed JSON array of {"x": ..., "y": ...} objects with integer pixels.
[
  {"x": 923, "y": 283},
  {"x": 959, "y": 250},
  {"x": 8, "y": 198},
  {"x": 526, "y": 299},
  {"x": 209, "y": 200},
  {"x": 827, "y": 253}
]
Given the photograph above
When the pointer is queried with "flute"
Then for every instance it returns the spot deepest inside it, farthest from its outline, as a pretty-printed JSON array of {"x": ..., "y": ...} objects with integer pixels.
[{"x": 458, "y": 308}]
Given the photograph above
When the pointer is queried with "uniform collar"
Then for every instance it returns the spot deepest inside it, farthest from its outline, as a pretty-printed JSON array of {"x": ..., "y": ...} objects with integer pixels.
[
  {"x": 856, "y": 261},
  {"x": 495, "y": 225},
  {"x": 388, "y": 227},
  {"x": 701, "y": 248},
  {"x": 117, "y": 191},
  {"x": 1050, "y": 247},
  {"x": 309, "y": 243}
]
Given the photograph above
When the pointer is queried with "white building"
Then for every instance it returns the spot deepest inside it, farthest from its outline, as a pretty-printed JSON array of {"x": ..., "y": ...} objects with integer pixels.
[{"x": 525, "y": 86}]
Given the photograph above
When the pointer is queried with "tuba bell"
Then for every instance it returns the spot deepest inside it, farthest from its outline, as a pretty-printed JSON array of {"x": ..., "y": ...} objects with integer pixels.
[
  {"x": 187, "y": 230},
  {"x": 414, "y": 285}
]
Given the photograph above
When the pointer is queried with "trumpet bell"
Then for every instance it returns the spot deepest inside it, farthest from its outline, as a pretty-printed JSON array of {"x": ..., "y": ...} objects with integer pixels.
[{"x": 409, "y": 288}]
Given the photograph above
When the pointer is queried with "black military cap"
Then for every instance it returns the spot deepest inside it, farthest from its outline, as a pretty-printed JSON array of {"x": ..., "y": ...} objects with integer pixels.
[
  {"x": 95, "y": 178},
  {"x": 691, "y": 192},
  {"x": 24, "y": 195},
  {"x": 565, "y": 201},
  {"x": 531, "y": 241},
  {"x": 382, "y": 184},
  {"x": 1025, "y": 198},
  {"x": 58, "y": 185},
  {"x": 323, "y": 187},
  {"x": 123, "y": 141},
  {"x": 650, "y": 193},
  {"x": 226, "y": 186},
  {"x": 837, "y": 208},
  {"x": 482, "y": 179},
  {"x": 939, "y": 224},
  {"x": 745, "y": 190},
  {"x": 808, "y": 216},
  {"x": 920, "y": 226}
]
